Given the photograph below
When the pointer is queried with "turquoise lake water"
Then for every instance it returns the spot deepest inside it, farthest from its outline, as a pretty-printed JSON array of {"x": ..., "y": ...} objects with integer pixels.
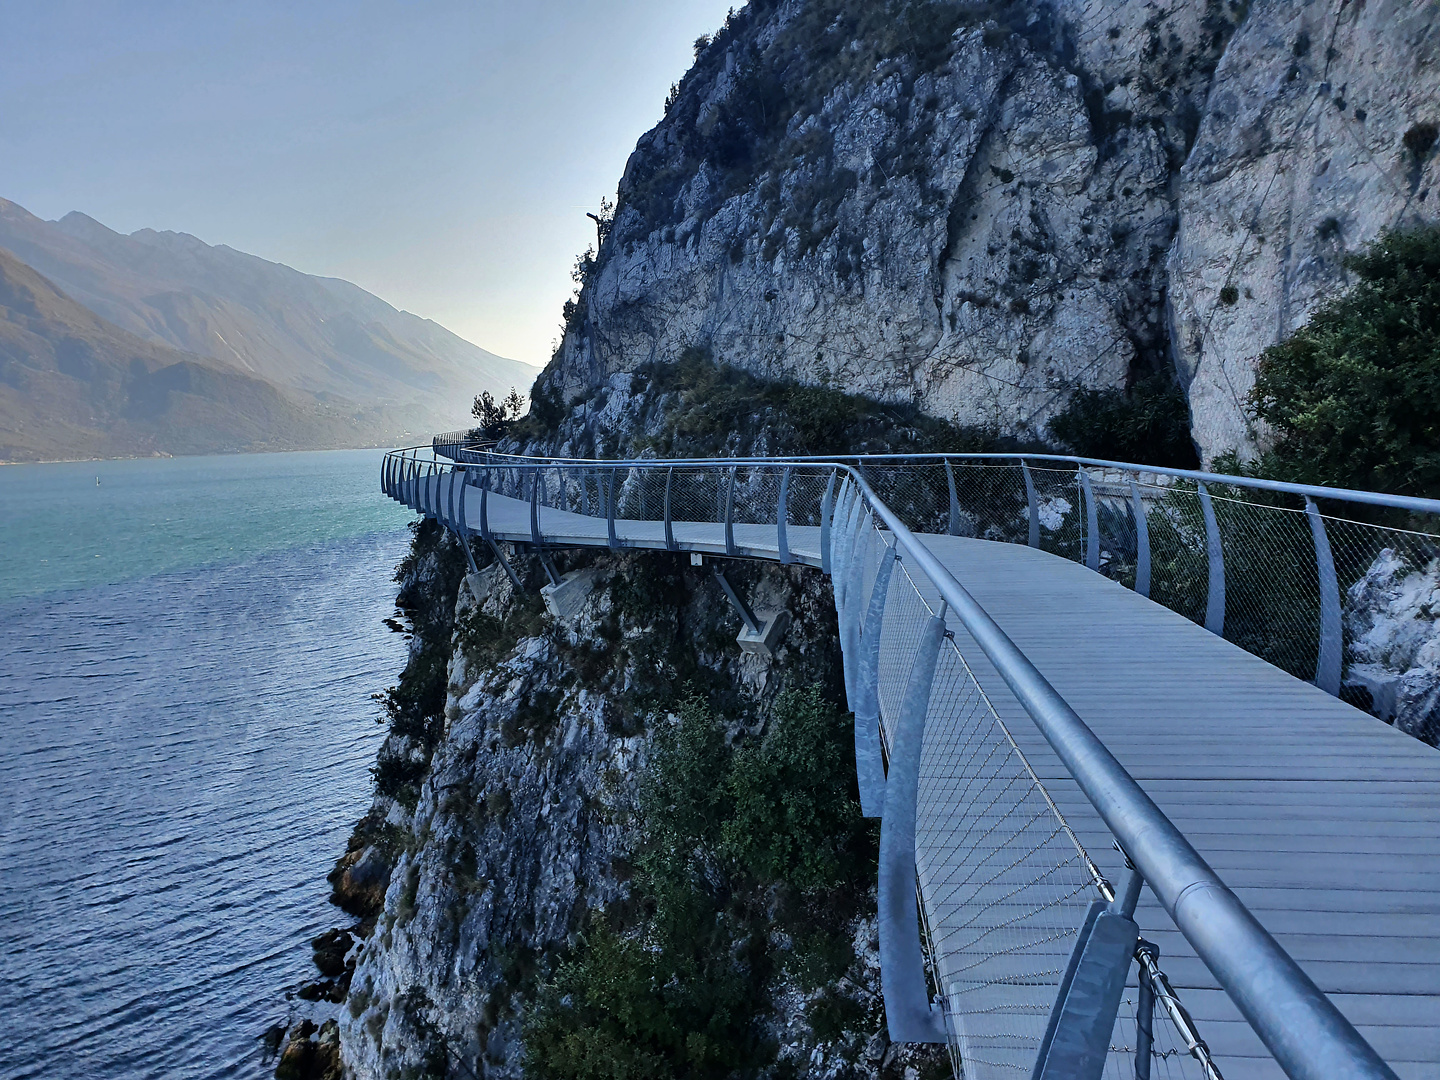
[{"x": 187, "y": 655}]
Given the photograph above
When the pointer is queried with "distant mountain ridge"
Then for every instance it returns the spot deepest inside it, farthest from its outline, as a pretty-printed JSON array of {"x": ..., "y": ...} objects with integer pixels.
[
  {"x": 322, "y": 341},
  {"x": 74, "y": 386}
]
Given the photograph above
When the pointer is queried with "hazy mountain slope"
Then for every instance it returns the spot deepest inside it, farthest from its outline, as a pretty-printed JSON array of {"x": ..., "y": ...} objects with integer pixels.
[
  {"x": 74, "y": 386},
  {"x": 321, "y": 336}
]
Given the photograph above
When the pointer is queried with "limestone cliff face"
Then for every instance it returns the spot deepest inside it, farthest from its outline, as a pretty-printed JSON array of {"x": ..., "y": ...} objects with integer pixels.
[
  {"x": 981, "y": 208},
  {"x": 1318, "y": 132},
  {"x": 526, "y": 820}
]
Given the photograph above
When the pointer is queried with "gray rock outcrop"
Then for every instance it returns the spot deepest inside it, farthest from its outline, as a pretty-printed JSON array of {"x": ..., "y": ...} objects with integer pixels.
[{"x": 1052, "y": 197}]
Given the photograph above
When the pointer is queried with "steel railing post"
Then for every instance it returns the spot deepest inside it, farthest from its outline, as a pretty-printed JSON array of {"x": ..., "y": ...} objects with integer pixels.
[
  {"x": 610, "y": 537},
  {"x": 730, "y": 513},
  {"x": 1092, "y": 523},
  {"x": 463, "y": 532},
  {"x": 826, "y": 504},
  {"x": 1331, "y": 647},
  {"x": 954, "y": 499},
  {"x": 1032, "y": 504},
  {"x": 862, "y": 539},
  {"x": 869, "y": 759},
  {"x": 670, "y": 544},
  {"x": 782, "y": 539},
  {"x": 1142, "y": 541},
  {"x": 1215, "y": 594}
]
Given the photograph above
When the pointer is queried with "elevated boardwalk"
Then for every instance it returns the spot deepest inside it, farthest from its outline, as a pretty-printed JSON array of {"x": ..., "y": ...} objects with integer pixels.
[{"x": 1324, "y": 820}]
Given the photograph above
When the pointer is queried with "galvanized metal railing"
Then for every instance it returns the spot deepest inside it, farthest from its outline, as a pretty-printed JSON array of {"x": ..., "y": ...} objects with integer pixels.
[
  {"x": 862, "y": 537},
  {"x": 1293, "y": 573}
]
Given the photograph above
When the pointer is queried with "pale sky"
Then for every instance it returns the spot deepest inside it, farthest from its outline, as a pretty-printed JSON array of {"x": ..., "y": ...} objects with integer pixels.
[{"x": 440, "y": 154}]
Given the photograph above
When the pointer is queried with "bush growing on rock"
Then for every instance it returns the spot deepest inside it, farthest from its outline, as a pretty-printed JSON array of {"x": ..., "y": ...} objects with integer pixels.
[
  {"x": 1353, "y": 396},
  {"x": 1149, "y": 424},
  {"x": 737, "y": 843}
]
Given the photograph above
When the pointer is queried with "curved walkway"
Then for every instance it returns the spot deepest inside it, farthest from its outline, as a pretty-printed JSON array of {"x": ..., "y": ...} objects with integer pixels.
[{"x": 1324, "y": 820}]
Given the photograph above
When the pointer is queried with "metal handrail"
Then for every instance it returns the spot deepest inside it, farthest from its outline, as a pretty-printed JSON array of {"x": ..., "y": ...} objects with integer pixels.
[
  {"x": 1309, "y": 1037},
  {"x": 1373, "y": 498}
]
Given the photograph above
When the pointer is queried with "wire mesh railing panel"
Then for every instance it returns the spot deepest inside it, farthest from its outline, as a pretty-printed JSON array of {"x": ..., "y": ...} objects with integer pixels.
[
  {"x": 1272, "y": 591},
  {"x": 1389, "y": 579},
  {"x": 1005, "y": 889},
  {"x": 1060, "y": 512},
  {"x": 991, "y": 502},
  {"x": 1179, "y": 562}
]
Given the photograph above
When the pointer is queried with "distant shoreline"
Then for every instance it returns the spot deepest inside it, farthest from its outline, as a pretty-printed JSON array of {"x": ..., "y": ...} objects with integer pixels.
[{"x": 161, "y": 456}]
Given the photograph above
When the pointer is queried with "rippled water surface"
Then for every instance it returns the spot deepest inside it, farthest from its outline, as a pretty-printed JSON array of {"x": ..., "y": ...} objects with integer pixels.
[{"x": 187, "y": 654}]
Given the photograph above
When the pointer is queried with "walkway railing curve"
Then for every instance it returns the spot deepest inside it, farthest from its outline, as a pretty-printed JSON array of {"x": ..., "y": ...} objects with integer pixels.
[
  {"x": 1007, "y": 1004},
  {"x": 1301, "y": 576}
]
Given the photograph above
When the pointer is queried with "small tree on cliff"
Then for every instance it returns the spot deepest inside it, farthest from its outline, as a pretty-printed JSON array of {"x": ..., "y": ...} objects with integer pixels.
[
  {"x": 496, "y": 416},
  {"x": 1353, "y": 396}
]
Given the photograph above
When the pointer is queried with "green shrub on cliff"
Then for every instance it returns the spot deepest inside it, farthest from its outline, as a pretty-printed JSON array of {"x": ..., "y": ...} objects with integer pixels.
[
  {"x": 715, "y": 409},
  {"x": 737, "y": 843},
  {"x": 1149, "y": 423},
  {"x": 794, "y": 819},
  {"x": 1353, "y": 396}
]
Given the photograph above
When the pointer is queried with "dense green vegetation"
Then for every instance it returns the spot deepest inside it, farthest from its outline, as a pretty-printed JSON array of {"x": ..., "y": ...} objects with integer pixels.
[
  {"x": 1353, "y": 397},
  {"x": 1148, "y": 423},
  {"x": 737, "y": 843},
  {"x": 701, "y": 408}
]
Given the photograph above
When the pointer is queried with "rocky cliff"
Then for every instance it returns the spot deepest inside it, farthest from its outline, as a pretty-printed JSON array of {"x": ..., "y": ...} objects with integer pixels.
[
  {"x": 518, "y": 824},
  {"x": 979, "y": 208}
]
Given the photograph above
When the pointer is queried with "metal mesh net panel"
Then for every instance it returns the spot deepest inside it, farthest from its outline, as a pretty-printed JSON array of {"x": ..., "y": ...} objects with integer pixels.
[{"x": 1004, "y": 885}]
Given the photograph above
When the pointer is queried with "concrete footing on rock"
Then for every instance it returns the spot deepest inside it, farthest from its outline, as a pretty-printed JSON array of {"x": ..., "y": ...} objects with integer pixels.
[
  {"x": 566, "y": 597},
  {"x": 764, "y": 641}
]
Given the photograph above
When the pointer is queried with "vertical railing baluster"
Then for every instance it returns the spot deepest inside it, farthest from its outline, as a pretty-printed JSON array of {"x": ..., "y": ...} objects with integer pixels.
[
  {"x": 611, "y": 538},
  {"x": 1033, "y": 504},
  {"x": 463, "y": 532},
  {"x": 730, "y": 513},
  {"x": 954, "y": 499},
  {"x": 1215, "y": 595},
  {"x": 908, "y": 1014},
  {"x": 670, "y": 544},
  {"x": 1142, "y": 541},
  {"x": 1331, "y": 647},
  {"x": 782, "y": 538},
  {"x": 826, "y": 504},
  {"x": 869, "y": 760},
  {"x": 862, "y": 538},
  {"x": 1092, "y": 523}
]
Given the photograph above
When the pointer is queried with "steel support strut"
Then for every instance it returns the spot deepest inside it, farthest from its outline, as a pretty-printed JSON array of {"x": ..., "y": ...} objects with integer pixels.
[
  {"x": 1327, "y": 662},
  {"x": 908, "y": 1013}
]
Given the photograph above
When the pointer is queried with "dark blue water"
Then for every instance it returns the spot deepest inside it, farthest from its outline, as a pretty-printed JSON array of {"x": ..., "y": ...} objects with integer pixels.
[{"x": 185, "y": 732}]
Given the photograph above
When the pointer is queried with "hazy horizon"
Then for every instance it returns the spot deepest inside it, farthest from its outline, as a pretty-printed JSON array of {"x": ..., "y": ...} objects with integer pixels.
[{"x": 441, "y": 158}]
